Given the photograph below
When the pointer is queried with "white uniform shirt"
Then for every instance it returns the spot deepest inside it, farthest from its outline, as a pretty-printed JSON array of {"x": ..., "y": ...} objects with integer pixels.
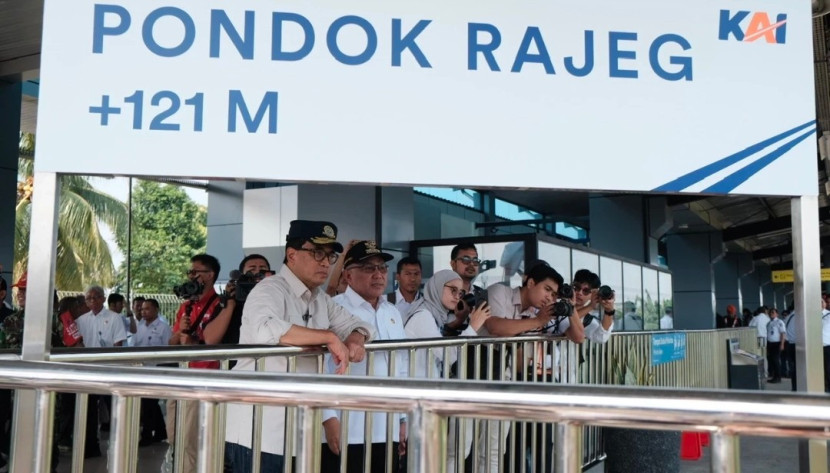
[
  {"x": 760, "y": 322},
  {"x": 401, "y": 304},
  {"x": 273, "y": 306},
  {"x": 594, "y": 332},
  {"x": 389, "y": 326},
  {"x": 156, "y": 333},
  {"x": 775, "y": 328},
  {"x": 792, "y": 335},
  {"x": 825, "y": 327},
  {"x": 666, "y": 322},
  {"x": 506, "y": 302},
  {"x": 423, "y": 325},
  {"x": 102, "y": 330}
]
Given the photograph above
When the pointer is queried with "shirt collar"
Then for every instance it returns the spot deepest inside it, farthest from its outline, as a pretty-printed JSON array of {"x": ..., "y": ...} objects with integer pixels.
[
  {"x": 356, "y": 299},
  {"x": 399, "y": 296},
  {"x": 209, "y": 292},
  {"x": 298, "y": 289}
]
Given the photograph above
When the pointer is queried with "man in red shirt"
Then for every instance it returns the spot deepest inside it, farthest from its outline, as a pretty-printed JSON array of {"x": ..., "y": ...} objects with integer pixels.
[{"x": 200, "y": 307}]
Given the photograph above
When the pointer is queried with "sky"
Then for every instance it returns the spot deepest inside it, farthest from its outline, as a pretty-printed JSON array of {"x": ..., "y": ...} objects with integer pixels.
[{"x": 118, "y": 187}]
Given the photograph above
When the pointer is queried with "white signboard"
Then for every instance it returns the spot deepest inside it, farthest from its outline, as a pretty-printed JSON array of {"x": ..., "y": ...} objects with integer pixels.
[{"x": 710, "y": 96}]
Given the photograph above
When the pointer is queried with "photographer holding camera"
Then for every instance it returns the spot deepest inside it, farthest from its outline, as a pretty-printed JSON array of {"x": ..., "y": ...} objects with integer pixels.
[
  {"x": 224, "y": 329},
  {"x": 589, "y": 298},
  {"x": 200, "y": 306}
]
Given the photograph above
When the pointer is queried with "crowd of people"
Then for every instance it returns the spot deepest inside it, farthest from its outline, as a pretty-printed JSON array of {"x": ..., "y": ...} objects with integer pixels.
[{"x": 291, "y": 307}]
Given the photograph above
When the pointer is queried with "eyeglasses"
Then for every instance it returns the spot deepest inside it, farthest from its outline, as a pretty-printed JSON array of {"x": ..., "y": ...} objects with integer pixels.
[
  {"x": 194, "y": 272},
  {"x": 371, "y": 268},
  {"x": 586, "y": 290},
  {"x": 469, "y": 260},
  {"x": 456, "y": 292},
  {"x": 320, "y": 254}
]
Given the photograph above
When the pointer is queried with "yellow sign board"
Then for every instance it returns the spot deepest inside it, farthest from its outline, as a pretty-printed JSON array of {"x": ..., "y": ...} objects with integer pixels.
[{"x": 787, "y": 275}]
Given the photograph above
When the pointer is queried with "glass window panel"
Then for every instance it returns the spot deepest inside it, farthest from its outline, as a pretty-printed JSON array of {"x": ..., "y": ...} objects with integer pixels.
[
  {"x": 466, "y": 197},
  {"x": 632, "y": 297},
  {"x": 610, "y": 272},
  {"x": 666, "y": 301},
  {"x": 651, "y": 300},
  {"x": 510, "y": 211},
  {"x": 584, "y": 260},
  {"x": 559, "y": 257}
]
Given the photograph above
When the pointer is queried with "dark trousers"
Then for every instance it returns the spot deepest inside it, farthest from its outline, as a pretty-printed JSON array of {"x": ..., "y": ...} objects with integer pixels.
[
  {"x": 789, "y": 355},
  {"x": 774, "y": 359},
  {"x": 152, "y": 420},
  {"x": 827, "y": 368},
  {"x": 240, "y": 459},
  {"x": 329, "y": 462}
]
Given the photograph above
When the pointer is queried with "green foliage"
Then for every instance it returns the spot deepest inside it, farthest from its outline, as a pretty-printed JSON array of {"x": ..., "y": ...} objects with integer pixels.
[
  {"x": 631, "y": 372},
  {"x": 168, "y": 228},
  {"x": 83, "y": 257}
]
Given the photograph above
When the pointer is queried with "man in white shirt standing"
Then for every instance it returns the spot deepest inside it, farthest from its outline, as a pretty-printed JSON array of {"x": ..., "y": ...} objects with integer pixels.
[
  {"x": 290, "y": 308},
  {"x": 366, "y": 274},
  {"x": 760, "y": 322},
  {"x": 776, "y": 338},
  {"x": 408, "y": 276},
  {"x": 789, "y": 346},
  {"x": 151, "y": 331},
  {"x": 100, "y": 327}
]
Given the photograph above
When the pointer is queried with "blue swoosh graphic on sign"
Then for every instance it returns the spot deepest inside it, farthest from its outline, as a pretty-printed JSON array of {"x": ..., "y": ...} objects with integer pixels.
[
  {"x": 698, "y": 175},
  {"x": 730, "y": 182}
]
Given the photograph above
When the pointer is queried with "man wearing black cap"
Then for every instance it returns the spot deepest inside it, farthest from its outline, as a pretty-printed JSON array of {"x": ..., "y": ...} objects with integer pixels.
[
  {"x": 365, "y": 270},
  {"x": 289, "y": 308}
]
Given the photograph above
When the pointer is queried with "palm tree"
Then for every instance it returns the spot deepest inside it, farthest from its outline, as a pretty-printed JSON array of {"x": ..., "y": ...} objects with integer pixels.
[{"x": 83, "y": 256}]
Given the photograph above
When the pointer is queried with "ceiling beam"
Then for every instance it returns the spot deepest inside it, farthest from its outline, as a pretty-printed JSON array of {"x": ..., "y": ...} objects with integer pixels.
[
  {"x": 781, "y": 250},
  {"x": 766, "y": 226}
]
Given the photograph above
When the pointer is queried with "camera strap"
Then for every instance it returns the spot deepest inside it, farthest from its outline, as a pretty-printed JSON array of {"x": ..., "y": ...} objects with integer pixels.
[{"x": 195, "y": 323}]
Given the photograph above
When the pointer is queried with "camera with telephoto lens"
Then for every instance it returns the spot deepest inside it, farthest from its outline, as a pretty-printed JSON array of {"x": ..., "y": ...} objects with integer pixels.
[
  {"x": 471, "y": 300},
  {"x": 245, "y": 283},
  {"x": 189, "y": 290},
  {"x": 605, "y": 293},
  {"x": 563, "y": 307}
]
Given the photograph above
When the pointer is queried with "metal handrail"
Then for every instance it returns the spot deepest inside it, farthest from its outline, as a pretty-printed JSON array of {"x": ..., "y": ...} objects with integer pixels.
[
  {"x": 427, "y": 401},
  {"x": 232, "y": 352}
]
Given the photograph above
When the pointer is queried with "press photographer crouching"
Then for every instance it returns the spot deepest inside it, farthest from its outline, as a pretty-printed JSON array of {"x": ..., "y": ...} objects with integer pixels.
[{"x": 224, "y": 329}]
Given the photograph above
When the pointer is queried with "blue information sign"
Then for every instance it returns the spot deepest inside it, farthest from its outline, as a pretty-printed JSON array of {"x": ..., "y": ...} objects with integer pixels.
[{"x": 668, "y": 347}]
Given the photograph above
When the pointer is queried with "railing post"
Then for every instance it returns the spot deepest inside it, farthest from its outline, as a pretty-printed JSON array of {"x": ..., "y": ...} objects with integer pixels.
[
  {"x": 425, "y": 439},
  {"x": 305, "y": 453},
  {"x": 208, "y": 434},
  {"x": 119, "y": 449},
  {"x": 568, "y": 456},
  {"x": 79, "y": 432},
  {"x": 725, "y": 458},
  {"x": 44, "y": 417},
  {"x": 43, "y": 243}
]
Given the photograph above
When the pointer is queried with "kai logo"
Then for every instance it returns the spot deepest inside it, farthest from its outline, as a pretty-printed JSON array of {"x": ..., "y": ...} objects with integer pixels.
[{"x": 751, "y": 26}]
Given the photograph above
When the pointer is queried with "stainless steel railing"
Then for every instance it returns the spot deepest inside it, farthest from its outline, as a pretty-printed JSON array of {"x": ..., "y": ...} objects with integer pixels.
[
  {"x": 426, "y": 402},
  {"x": 527, "y": 360}
]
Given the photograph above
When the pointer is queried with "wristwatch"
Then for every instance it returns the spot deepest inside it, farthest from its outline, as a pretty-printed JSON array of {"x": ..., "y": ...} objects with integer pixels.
[
  {"x": 363, "y": 332},
  {"x": 610, "y": 313}
]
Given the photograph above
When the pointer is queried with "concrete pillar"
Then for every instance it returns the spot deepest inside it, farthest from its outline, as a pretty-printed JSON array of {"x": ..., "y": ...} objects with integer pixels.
[
  {"x": 628, "y": 225},
  {"x": 266, "y": 216},
  {"x": 224, "y": 224},
  {"x": 729, "y": 272},
  {"x": 10, "y": 100},
  {"x": 691, "y": 257}
]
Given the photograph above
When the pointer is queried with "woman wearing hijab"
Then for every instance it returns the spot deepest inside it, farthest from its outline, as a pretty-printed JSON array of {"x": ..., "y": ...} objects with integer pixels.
[{"x": 427, "y": 318}]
